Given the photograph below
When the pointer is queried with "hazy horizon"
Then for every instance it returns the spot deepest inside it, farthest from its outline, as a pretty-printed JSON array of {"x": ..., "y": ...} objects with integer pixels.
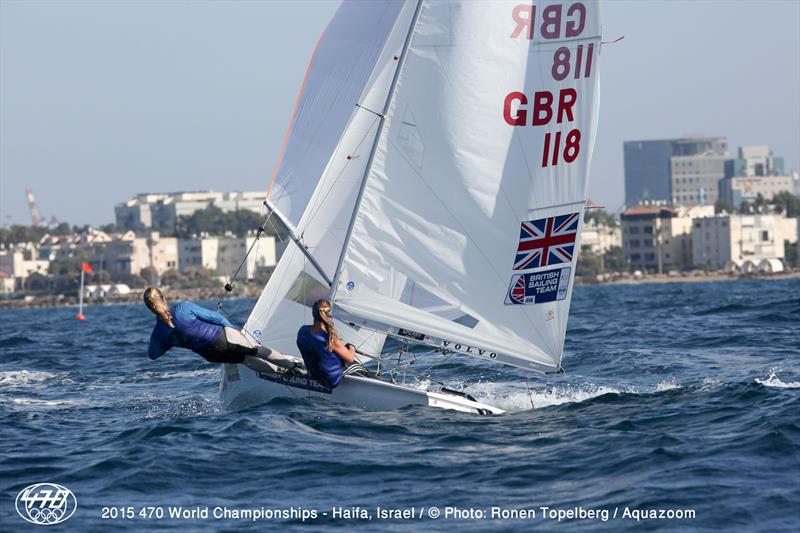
[{"x": 101, "y": 101}]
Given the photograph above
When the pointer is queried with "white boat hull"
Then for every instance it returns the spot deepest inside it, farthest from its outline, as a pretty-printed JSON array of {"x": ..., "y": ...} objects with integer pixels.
[{"x": 243, "y": 387}]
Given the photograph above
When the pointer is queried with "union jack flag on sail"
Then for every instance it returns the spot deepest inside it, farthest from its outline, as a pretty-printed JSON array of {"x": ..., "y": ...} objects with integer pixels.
[{"x": 547, "y": 241}]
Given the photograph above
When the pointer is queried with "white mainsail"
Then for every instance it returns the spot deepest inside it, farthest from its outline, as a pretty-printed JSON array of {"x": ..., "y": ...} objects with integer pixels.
[
  {"x": 324, "y": 162},
  {"x": 453, "y": 219},
  {"x": 479, "y": 181}
]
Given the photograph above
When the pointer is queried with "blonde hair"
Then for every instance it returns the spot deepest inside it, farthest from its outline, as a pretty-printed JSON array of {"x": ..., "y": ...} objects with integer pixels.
[
  {"x": 320, "y": 312},
  {"x": 155, "y": 301}
]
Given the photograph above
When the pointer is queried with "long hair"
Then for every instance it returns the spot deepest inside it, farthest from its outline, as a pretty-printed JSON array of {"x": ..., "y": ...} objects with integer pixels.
[
  {"x": 155, "y": 301},
  {"x": 320, "y": 311}
]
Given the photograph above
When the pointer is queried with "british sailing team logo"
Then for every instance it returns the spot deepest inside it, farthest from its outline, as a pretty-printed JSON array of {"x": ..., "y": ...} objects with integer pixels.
[
  {"x": 46, "y": 504},
  {"x": 538, "y": 287},
  {"x": 517, "y": 292}
]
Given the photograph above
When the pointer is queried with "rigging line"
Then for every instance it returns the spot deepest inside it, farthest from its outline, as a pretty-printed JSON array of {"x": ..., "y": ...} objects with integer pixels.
[
  {"x": 221, "y": 309},
  {"x": 336, "y": 180},
  {"x": 229, "y": 285},
  {"x": 293, "y": 392},
  {"x": 440, "y": 363},
  {"x": 284, "y": 277},
  {"x": 445, "y": 350},
  {"x": 400, "y": 366},
  {"x": 529, "y": 391},
  {"x": 618, "y": 39},
  {"x": 277, "y": 233},
  {"x": 365, "y": 177},
  {"x": 259, "y": 231},
  {"x": 370, "y": 111},
  {"x": 393, "y": 335}
]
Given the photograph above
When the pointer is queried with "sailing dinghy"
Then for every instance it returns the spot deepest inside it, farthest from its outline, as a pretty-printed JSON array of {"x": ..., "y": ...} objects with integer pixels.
[{"x": 433, "y": 180}]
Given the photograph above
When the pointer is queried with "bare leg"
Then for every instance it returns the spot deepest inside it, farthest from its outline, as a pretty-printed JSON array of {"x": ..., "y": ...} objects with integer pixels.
[
  {"x": 259, "y": 365},
  {"x": 276, "y": 358},
  {"x": 259, "y": 358}
]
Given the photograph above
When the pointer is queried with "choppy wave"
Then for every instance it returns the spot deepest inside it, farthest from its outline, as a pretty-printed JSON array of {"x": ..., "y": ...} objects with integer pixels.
[
  {"x": 774, "y": 381},
  {"x": 668, "y": 384},
  {"x": 15, "y": 340},
  {"x": 21, "y": 378},
  {"x": 36, "y": 402},
  {"x": 667, "y": 402},
  {"x": 516, "y": 399}
]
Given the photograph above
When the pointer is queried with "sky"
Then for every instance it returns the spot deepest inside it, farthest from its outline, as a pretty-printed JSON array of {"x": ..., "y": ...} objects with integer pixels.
[{"x": 100, "y": 101}]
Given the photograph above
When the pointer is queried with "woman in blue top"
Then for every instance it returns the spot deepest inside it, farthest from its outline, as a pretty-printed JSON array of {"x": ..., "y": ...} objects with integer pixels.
[
  {"x": 323, "y": 353},
  {"x": 187, "y": 325}
]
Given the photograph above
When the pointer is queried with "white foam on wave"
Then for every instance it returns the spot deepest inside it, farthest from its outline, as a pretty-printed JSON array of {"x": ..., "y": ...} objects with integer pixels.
[
  {"x": 34, "y": 402},
  {"x": 774, "y": 381},
  {"x": 668, "y": 384},
  {"x": 152, "y": 375},
  {"x": 512, "y": 397},
  {"x": 499, "y": 395},
  {"x": 711, "y": 383},
  {"x": 22, "y": 378},
  {"x": 164, "y": 406}
]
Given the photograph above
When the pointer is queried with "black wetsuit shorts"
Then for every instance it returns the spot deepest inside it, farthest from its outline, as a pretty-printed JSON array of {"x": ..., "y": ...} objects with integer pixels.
[{"x": 222, "y": 351}]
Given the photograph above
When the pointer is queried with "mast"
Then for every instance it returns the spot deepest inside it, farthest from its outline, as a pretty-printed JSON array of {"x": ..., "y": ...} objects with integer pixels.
[{"x": 368, "y": 168}]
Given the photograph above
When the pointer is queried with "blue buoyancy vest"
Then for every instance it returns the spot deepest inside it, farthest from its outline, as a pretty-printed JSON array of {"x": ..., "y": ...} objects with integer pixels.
[
  {"x": 323, "y": 365},
  {"x": 195, "y": 328}
]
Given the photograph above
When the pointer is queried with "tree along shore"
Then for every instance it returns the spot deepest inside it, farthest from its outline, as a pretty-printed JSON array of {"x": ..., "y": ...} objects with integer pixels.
[
  {"x": 253, "y": 290},
  {"x": 134, "y": 297},
  {"x": 629, "y": 279}
]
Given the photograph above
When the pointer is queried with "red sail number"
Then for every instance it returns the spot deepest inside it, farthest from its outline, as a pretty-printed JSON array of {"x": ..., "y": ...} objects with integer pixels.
[{"x": 572, "y": 147}]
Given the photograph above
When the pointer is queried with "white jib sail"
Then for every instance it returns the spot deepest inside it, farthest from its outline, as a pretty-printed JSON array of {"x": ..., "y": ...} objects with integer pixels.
[
  {"x": 324, "y": 177},
  {"x": 479, "y": 181}
]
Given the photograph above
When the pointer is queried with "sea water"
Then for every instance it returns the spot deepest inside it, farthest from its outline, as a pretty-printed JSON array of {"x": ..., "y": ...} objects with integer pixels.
[{"x": 680, "y": 410}]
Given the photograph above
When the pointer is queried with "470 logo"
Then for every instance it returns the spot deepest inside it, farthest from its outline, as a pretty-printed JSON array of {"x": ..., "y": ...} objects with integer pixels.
[{"x": 46, "y": 504}]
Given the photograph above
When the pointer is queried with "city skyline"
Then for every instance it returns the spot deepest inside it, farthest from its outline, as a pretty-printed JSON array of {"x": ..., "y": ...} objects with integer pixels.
[{"x": 93, "y": 112}]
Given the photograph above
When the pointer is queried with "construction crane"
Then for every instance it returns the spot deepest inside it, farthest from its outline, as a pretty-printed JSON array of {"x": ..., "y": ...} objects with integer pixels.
[{"x": 36, "y": 216}]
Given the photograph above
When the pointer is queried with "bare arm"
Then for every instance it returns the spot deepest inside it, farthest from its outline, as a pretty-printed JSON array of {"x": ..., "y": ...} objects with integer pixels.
[{"x": 346, "y": 354}]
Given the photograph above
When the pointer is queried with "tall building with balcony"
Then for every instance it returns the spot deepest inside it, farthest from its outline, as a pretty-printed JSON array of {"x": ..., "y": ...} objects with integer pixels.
[
  {"x": 658, "y": 238},
  {"x": 723, "y": 239}
]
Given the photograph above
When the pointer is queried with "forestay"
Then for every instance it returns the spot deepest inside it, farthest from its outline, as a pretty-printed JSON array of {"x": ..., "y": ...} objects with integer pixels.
[{"x": 476, "y": 192}]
